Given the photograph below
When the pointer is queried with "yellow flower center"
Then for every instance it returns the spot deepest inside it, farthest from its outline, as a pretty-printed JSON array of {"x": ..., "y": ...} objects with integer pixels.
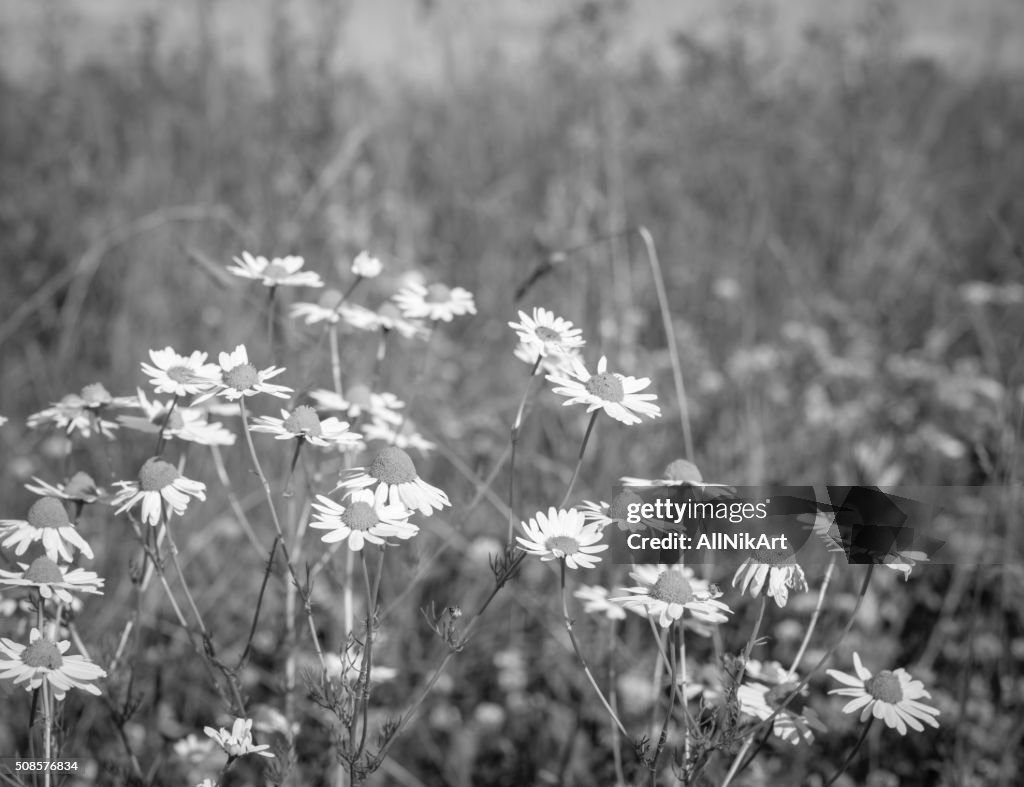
[
  {"x": 672, "y": 588},
  {"x": 359, "y": 395},
  {"x": 605, "y": 386},
  {"x": 774, "y": 697},
  {"x": 562, "y": 545},
  {"x": 180, "y": 374},
  {"x": 95, "y": 395},
  {"x": 242, "y": 377},
  {"x": 438, "y": 293},
  {"x": 884, "y": 686},
  {"x": 276, "y": 271},
  {"x": 156, "y": 474},
  {"x": 79, "y": 485},
  {"x": 546, "y": 334},
  {"x": 773, "y": 557},
  {"x": 360, "y": 516},
  {"x": 48, "y": 512},
  {"x": 330, "y": 299},
  {"x": 303, "y": 420},
  {"x": 42, "y": 653},
  {"x": 393, "y": 466},
  {"x": 619, "y": 509},
  {"x": 43, "y": 571}
]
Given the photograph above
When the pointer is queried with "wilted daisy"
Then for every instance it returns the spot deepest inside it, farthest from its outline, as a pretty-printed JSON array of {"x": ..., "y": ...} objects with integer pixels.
[
  {"x": 80, "y": 488},
  {"x": 240, "y": 378},
  {"x": 180, "y": 375},
  {"x": 191, "y": 424},
  {"x": 278, "y": 272},
  {"x": 360, "y": 401},
  {"x": 436, "y": 302},
  {"x": 892, "y": 696},
  {"x": 366, "y": 266},
  {"x": 303, "y": 423},
  {"x": 48, "y": 523},
  {"x": 365, "y": 517},
  {"x": 777, "y": 567},
  {"x": 596, "y": 602},
  {"x": 616, "y": 394},
  {"x": 615, "y": 513},
  {"x": 82, "y": 412},
  {"x": 562, "y": 534},
  {"x": 665, "y": 592},
  {"x": 761, "y": 696},
  {"x": 546, "y": 334},
  {"x": 402, "y": 436},
  {"x": 158, "y": 482},
  {"x": 393, "y": 469},
  {"x": 45, "y": 660},
  {"x": 51, "y": 580},
  {"x": 238, "y": 742}
]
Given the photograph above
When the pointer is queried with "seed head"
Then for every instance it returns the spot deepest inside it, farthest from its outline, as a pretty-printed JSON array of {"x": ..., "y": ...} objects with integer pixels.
[
  {"x": 48, "y": 512},
  {"x": 393, "y": 466}
]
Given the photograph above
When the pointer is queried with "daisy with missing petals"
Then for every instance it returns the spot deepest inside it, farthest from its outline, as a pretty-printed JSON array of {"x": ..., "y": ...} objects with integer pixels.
[
  {"x": 616, "y": 394},
  {"x": 596, "y": 602},
  {"x": 48, "y": 523},
  {"x": 366, "y": 266},
  {"x": 240, "y": 378},
  {"x": 303, "y": 423},
  {"x": 175, "y": 374},
  {"x": 159, "y": 482},
  {"x": 393, "y": 470},
  {"x": 546, "y": 334},
  {"x": 768, "y": 687},
  {"x": 184, "y": 423},
  {"x": 615, "y": 513},
  {"x": 777, "y": 567},
  {"x": 45, "y": 660},
  {"x": 51, "y": 580},
  {"x": 562, "y": 534},
  {"x": 365, "y": 518},
  {"x": 892, "y": 696},
  {"x": 278, "y": 272},
  {"x": 666, "y": 592},
  {"x": 436, "y": 302},
  {"x": 238, "y": 742},
  {"x": 80, "y": 488}
]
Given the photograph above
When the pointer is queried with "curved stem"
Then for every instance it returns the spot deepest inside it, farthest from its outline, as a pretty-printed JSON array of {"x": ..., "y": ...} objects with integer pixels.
[
  {"x": 579, "y": 459},
  {"x": 163, "y": 426},
  {"x": 852, "y": 754},
  {"x": 814, "y": 617},
  {"x": 514, "y": 441}
]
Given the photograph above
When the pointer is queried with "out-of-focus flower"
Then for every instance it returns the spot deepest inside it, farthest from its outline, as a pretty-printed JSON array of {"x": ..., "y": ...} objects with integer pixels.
[
  {"x": 45, "y": 660},
  {"x": 238, "y": 742},
  {"x": 158, "y": 482},
  {"x": 402, "y": 436},
  {"x": 82, "y": 412},
  {"x": 892, "y": 696},
  {"x": 615, "y": 513},
  {"x": 562, "y": 534},
  {"x": 778, "y": 567},
  {"x": 48, "y": 523},
  {"x": 596, "y": 602},
  {"x": 666, "y": 592},
  {"x": 545, "y": 333},
  {"x": 277, "y": 272},
  {"x": 365, "y": 517},
  {"x": 328, "y": 308},
  {"x": 366, "y": 266},
  {"x": 179, "y": 375},
  {"x": 3, "y": 420},
  {"x": 360, "y": 401},
  {"x": 618, "y": 395},
  {"x": 393, "y": 469},
  {"x": 679, "y": 472},
  {"x": 303, "y": 423},
  {"x": 240, "y": 378},
  {"x": 436, "y": 302},
  {"x": 51, "y": 580},
  {"x": 768, "y": 686},
  {"x": 552, "y": 363},
  {"x": 80, "y": 488},
  {"x": 183, "y": 423}
]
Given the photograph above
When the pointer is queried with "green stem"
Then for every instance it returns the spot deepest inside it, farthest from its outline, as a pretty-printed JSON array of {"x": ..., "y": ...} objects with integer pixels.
[
  {"x": 852, "y": 754},
  {"x": 514, "y": 441},
  {"x": 579, "y": 459}
]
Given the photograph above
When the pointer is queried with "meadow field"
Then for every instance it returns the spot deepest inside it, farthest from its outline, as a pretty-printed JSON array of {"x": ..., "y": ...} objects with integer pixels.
[{"x": 813, "y": 259}]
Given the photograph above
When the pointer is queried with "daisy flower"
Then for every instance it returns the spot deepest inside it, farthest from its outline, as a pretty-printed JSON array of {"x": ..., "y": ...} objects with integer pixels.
[
  {"x": 393, "y": 469},
  {"x": 238, "y": 742},
  {"x": 366, "y": 517},
  {"x": 278, "y": 272},
  {"x": 667, "y": 591},
  {"x": 47, "y": 522},
  {"x": 303, "y": 423},
  {"x": 179, "y": 375},
  {"x": 80, "y": 488},
  {"x": 360, "y": 401},
  {"x": 562, "y": 534},
  {"x": 552, "y": 363},
  {"x": 159, "y": 482},
  {"x": 679, "y": 472},
  {"x": 615, "y": 513},
  {"x": 778, "y": 567},
  {"x": 328, "y": 308},
  {"x": 81, "y": 412},
  {"x": 436, "y": 302},
  {"x": 51, "y": 580},
  {"x": 240, "y": 378},
  {"x": 404, "y": 436},
  {"x": 390, "y": 317},
  {"x": 761, "y": 696},
  {"x": 545, "y": 333},
  {"x": 366, "y": 266},
  {"x": 191, "y": 424},
  {"x": 45, "y": 660},
  {"x": 892, "y": 696},
  {"x": 616, "y": 394},
  {"x": 596, "y": 602}
]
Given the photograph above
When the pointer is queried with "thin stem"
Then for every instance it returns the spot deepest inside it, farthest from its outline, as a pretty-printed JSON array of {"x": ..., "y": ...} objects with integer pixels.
[
  {"x": 579, "y": 654},
  {"x": 852, "y": 754},
  {"x": 673, "y": 668},
  {"x": 270, "y": 319},
  {"x": 47, "y": 728},
  {"x": 514, "y": 442},
  {"x": 814, "y": 617},
  {"x": 620, "y": 778},
  {"x": 163, "y": 425},
  {"x": 579, "y": 459},
  {"x": 235, "y": 503},
  {"x": 347, "y": 600},
  {"x": 335, "y": 359},
  {"x": 753, "y": 638}
]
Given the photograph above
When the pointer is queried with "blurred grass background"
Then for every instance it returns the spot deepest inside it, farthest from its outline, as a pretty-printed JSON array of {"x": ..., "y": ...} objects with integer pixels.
[{"x": 840, "y": 223}]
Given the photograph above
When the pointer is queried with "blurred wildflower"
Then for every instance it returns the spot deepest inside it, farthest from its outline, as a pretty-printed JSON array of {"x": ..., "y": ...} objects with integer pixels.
[
  {"x": 365, "y": 517},
  {"x": 436, "y": 302},
  {"x": 778, "y": 567},
  {"x": 346, "y": 666},
  {"x": 366, "y": 266},
  {"x": 725, "y": 288},
  {"x": 562, "y": 534},
  {"x": 980, "y": 293},
  {"x": 328, "y": 308},
  {"x": 238, "y": 742},
  {"x": 390, "y": 317},
  {"x": 3, "y": 420},
  {"x": 596, "y": 602},
  {"x": 892, "y": 696},
  {"x": 304, "y": 424},
  {"x": 666, "y": 592},
  {"x": 184, "y": 423},
  {"x": 240, "y": 378},
  {"x": 616, "y": 394},
  {"x": 207, "y": 782},
  {"x": 175, "y": 374},
  {"x": 193, "y": 749},
  {"x": 80, "y": 488},
  {"x": 545, "y": 333},
  {"x": 615, "y": 513},
  {"x": 48, "y": 523},
  {"x": 51, "y": 580},
  {"x": 158, "y": 481},
  {"x": 404, "y": 436},
  {"x": 277, "y": 272},
  {"x": 394, "y": 471},
  {"x": 43, "y": 659},
  {"x": 552, "y": 363},
  {"x": 360, "y": 401},
  {"x": 82, "y": 412},
  {"x": 679, "y": 472},
  {"x": 768, "y": 686}
]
